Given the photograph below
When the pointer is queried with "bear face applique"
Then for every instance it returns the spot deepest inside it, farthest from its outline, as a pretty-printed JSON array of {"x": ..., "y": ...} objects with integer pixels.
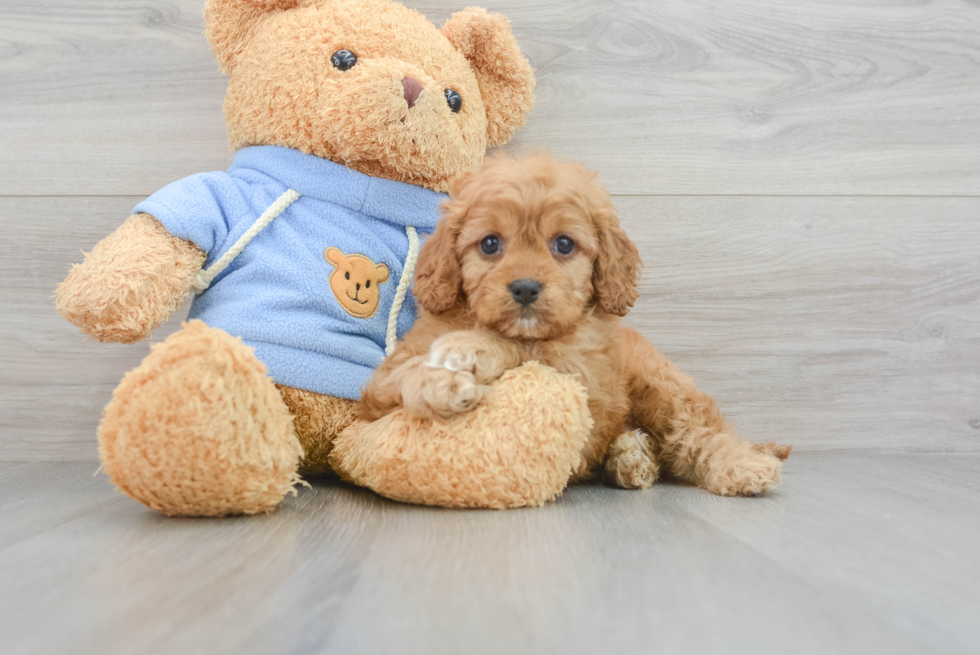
[{"x": 356, "y": 282}]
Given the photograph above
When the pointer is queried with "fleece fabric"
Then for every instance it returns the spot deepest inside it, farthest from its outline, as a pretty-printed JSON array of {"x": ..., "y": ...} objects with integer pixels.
[{"x": 275, "y": 294}]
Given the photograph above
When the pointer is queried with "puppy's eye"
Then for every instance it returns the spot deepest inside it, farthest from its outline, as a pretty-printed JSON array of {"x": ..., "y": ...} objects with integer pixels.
[
  {"x": 347, "y": 275},
  {"x": 454, "y": 100},
  {"x": 490, "y": 245},
  {"x": 367, "y": 285},
  {"x": 344, "y": 60},
  {"x": 564, "y": 245}
]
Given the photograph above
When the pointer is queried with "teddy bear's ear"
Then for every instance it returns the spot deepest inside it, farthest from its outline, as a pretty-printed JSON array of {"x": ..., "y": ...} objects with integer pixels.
[
  {"x": 228, "y": 24},
  {"x": 505, "y": 76},
  {"x": 382, "y": 272}
]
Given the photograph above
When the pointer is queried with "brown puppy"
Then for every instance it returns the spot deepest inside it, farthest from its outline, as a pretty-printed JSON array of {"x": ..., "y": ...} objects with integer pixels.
[{"x": 530, "y": 263}]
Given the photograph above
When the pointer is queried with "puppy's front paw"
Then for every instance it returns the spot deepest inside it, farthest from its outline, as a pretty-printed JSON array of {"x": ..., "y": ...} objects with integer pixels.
[
  {"x": 452, "y": 355},
  {"x": 750, "y": 474},
  {"x": 442, "y": 392},
  {"x": 470, "y": 351}
]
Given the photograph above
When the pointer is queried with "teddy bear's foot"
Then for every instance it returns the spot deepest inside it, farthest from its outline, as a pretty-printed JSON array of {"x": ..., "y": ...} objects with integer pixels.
[
  {"x": 199, "y": 429},
  {"x": 516, "y": 449},
  {"x": 631, "y": 461}
]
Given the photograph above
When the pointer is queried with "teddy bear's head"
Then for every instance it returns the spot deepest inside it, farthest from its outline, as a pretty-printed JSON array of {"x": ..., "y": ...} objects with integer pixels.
[
  {"x": 370, "y": 84},
  {"x": 355, "y": 282}
]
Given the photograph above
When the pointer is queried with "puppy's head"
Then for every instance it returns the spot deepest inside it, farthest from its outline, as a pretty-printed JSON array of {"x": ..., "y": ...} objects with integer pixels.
[{"x": 531, "y": 246}]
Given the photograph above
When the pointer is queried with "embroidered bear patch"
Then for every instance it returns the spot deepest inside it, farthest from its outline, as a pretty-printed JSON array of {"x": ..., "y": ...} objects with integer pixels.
[{"x": 356, "y": 282}]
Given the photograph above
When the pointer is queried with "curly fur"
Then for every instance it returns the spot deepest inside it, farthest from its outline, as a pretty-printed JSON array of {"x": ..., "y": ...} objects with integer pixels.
[{"x": 474, "y": 330}]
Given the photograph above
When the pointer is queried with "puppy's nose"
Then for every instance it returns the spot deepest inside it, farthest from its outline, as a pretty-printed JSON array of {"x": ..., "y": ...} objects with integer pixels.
[
  {"x": 525, "y": 291},
  {"x": 412, "y": 90}
]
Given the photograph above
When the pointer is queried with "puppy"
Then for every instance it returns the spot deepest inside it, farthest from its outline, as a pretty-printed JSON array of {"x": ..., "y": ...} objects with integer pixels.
[{"x": 529, "y": 262}]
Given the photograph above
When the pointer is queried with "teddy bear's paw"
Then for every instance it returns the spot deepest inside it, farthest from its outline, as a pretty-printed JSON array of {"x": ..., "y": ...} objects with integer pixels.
[
  {"x": 630, "y": 463},
  {"x": 748, "y": 474},
  {"x": 441, "y": 392}
]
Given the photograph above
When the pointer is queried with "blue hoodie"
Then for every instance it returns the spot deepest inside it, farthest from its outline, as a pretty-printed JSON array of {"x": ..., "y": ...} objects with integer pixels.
[{"x": 276, "y": 293}]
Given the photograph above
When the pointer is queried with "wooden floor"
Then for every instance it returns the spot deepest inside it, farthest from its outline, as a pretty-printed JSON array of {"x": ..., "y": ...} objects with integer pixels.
[
  {"x": 858, "y": 552},
  {"x": 803, "y": 180}
]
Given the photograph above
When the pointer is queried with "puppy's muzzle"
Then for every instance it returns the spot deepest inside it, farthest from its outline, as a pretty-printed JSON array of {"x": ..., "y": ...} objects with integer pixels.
[{"x": 525, "y": 291}]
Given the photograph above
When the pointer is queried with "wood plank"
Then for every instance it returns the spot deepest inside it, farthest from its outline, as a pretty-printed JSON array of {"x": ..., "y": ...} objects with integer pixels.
[
  {"x": 55, "y": 381},
  {"x": 823, "y": 322},
  {"x": 672, "y": 97},
  {"x": 34, "y": 499},
  {"x": 131, "y": 580},
  {"x": 904, "y": 532},
  {"x": 857, "y": 552}
]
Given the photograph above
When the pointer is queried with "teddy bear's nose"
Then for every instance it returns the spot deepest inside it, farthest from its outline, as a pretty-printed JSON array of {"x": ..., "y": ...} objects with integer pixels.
[{"x": 413, "y": 89}]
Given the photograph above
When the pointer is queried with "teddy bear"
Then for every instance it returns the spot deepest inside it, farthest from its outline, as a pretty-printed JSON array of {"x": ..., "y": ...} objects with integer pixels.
[{"x": 349, "y": 119}]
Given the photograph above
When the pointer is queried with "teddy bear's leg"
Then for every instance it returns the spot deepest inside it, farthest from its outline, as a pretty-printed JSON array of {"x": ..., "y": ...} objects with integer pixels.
[
  {"x": 518, "y": 448},
  {"x": 317, "y": 420},
  {"x": 631, "y": 462},
  {"x": 199, "y": 429}
]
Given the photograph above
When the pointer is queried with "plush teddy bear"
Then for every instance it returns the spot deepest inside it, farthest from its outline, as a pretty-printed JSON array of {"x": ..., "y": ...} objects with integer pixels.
[{"x": 349, "y": 119}]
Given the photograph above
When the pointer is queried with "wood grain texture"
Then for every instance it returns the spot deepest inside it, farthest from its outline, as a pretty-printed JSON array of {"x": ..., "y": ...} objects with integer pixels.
[
  {"x": 823, "y": 322},
  {"x": 671, "y": 97},
  {"x": 857, "y": 552},
  {"x": 848, "y": 325}
]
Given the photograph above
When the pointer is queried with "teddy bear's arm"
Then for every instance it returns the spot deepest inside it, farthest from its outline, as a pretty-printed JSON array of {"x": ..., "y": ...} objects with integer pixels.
[{"x": 131, "y": 282}]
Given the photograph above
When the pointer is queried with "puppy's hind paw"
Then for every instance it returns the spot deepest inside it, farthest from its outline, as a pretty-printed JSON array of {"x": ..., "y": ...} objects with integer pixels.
[
  {"x": 751, "y": 474},
  {"x": 781, "y": 451}
]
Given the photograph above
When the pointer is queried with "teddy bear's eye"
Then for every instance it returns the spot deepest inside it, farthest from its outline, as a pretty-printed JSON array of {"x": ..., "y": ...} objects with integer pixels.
[
  {"x": 455, "y": 100},
  {"x": 347, "y": 275},
  {"x": 367, "y": 285},
  {"x": 344, "y": 60}
]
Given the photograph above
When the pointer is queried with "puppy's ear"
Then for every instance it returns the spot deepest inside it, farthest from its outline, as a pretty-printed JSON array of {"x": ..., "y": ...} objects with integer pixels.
[
  {"x": 506, "y": 78},
  {"x": 228, "y": 25},
  {"x": 438, "y": 276},
  {"x": 616, "y": 272}
]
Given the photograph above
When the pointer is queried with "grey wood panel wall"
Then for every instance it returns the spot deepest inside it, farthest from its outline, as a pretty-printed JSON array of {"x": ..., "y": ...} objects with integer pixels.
[
  {"x": 845, "y": 316},
  {"x": 674, "y": 96}
]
